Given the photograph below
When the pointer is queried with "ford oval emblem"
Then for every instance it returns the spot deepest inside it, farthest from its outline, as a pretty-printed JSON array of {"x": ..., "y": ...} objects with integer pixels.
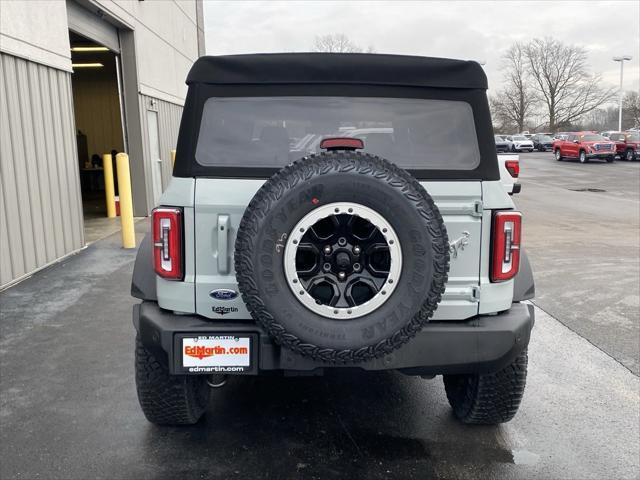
[{"x": 223, "y": 294}]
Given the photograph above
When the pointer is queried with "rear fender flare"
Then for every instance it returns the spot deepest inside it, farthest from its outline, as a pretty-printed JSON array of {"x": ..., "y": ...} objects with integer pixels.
[
  {"x": 524, "y": 287},
  {"x": 143, "y": 282}
]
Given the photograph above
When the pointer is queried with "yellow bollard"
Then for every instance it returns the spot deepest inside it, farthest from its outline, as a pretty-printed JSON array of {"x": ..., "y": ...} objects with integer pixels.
[
  {"x": 173, "y": 158},
  {"x": 126, "y": 202},
  {"x": 109, "y": 189}
]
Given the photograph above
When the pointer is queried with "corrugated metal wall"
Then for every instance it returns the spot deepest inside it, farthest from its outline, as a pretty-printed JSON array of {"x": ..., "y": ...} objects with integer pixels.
[
  {"x": 40, "y": 202},
  {"x": 169, "y": 115}
]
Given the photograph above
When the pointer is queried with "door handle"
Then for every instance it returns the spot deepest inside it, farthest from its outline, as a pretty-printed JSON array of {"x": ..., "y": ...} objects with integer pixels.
[{"x": 223, "y": 243}]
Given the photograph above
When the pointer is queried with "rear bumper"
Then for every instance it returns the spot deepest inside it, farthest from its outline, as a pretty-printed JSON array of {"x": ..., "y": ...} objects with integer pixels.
[{"x": 479, "y": 345}]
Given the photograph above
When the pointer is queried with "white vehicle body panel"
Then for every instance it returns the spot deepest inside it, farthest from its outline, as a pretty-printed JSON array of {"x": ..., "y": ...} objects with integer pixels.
[
  {"x": 505, "y": 177},
  {"x": 210, "y": 203}
]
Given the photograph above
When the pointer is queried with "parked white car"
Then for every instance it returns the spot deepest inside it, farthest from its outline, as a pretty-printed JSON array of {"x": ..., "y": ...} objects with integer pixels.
[{"x": 520, "y": 143}]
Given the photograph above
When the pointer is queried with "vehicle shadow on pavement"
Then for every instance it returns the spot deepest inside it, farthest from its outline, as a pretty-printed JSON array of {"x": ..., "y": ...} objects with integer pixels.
[{"x": 345, "y": 425}]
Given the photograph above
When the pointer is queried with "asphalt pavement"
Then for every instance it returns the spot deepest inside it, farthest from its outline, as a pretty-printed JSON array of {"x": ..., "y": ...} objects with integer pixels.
[
  {"x": 68, "y": 407},
  {"x": 581, "y": 229}
]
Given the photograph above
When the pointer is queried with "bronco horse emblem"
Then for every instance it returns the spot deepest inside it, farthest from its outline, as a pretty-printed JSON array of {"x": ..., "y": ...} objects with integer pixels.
[{"x": 458, "y": 245}]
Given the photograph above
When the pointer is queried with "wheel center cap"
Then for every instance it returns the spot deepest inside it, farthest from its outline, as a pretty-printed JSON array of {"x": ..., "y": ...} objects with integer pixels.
[{"x": 343, "y": 260}]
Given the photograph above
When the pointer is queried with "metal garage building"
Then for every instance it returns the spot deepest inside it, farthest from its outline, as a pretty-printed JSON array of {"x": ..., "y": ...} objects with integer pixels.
[{"x": 79, "y": 79}]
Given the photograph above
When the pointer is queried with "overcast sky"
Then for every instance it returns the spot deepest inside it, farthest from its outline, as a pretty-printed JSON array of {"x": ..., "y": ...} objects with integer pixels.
[{"x": 478, "y": 30}]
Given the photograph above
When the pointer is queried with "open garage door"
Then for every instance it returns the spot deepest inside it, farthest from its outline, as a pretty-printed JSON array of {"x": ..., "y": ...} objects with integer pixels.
[
  {"x": 90, "y": 26},
  {"x": 99, "y": 127}
]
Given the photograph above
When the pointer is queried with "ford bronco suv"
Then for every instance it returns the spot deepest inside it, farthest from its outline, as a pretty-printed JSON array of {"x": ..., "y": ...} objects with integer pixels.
[{"x": 397, "y": 249}]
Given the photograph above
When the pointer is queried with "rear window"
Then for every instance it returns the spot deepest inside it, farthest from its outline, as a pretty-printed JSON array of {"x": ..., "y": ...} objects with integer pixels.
[{"x": 270, "y": 132}]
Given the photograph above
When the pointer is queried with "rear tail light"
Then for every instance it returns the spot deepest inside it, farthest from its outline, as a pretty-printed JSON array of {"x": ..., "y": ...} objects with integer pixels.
[
  {"x": 513, "y": 166},
  {"x": 505, "y": 255},
  {"x": 167, "y": 242}
]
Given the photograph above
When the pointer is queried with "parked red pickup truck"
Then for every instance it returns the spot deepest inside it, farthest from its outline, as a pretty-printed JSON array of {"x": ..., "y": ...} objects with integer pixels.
[
  {"x": 584, "y": 146},
  {"x": 627, "y": 144}
]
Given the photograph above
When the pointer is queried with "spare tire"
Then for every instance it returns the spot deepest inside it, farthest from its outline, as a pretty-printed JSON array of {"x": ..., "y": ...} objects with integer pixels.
[{"x": 342, "y": 257}]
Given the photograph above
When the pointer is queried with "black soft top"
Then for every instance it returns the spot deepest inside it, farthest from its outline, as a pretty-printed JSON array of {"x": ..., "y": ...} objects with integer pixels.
[
  {"x": 338, "y": 75},
  {"x": 337, "y": 68}
]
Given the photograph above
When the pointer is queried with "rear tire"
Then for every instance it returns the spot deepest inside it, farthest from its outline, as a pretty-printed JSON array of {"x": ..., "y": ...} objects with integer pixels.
[
  {"x": 488, "y": 399},
  {"x": 265, "y": 266},
  {"x": 610, "y": 159},
  {"x": 628, "y": 155},
  {"x": 558, "y": 154},
  {"x": 168, "y": 399}
]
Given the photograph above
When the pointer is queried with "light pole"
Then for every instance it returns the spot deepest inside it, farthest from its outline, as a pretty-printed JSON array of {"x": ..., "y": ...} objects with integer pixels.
[{"x": 621, "y": 60}]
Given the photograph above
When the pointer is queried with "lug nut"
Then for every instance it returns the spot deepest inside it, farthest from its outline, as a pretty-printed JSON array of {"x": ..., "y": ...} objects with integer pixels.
[
  {"x": 356, "y": 250},
  {"x": 342, "y": 241},
  {"x": 356, "y": 267},
  {"x": 327, "y": 249},
  {"x": 341, "y": 275},
  {"x": 327, "y": 267}
]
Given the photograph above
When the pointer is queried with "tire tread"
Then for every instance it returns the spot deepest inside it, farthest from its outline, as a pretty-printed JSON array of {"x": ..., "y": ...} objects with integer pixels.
[
  {"x": 323, "y": 164},
  {"x": 168, "y": 399},
  {"x": 490, "y": 398}
]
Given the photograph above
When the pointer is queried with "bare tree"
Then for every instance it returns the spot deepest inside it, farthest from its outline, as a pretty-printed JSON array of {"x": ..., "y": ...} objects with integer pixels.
[
  {"x": 598, "y": 120},
  {"x": 515, "y": 102},
  {"x": 337, "y": 43},
  {"x": 562, "y": 79},
  {"x": 501, "y": 122},
  {"x": 631, "y": 110}
]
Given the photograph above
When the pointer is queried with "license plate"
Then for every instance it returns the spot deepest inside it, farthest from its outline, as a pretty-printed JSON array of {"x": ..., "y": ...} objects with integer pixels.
[{"x": 222, "y": 353}]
